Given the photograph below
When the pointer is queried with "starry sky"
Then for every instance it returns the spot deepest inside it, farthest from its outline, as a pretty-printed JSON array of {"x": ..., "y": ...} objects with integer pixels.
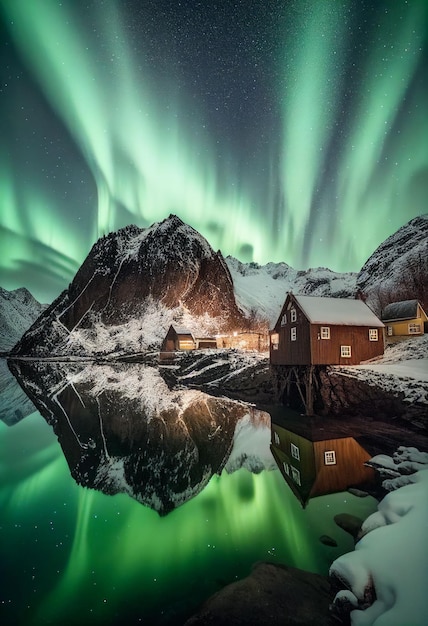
[{"x": 282, "y": 130}]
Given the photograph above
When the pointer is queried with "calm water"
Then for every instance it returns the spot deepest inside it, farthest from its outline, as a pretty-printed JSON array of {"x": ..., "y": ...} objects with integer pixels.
[{"x": 72, "y": 555}]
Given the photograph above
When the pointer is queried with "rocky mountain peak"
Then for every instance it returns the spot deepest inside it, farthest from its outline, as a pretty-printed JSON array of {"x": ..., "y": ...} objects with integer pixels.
[{"x": 168, "y": 267}]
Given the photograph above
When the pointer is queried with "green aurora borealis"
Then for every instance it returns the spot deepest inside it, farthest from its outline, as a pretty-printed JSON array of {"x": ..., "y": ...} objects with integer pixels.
[{"x": 282, "y": 130}]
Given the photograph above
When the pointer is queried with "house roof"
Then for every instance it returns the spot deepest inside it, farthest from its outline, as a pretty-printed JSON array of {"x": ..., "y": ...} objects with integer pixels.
[
  {"x": 340, "y": 311},
  {"x": 404, "y": 310},
  {"x": 181, "y": 330}
]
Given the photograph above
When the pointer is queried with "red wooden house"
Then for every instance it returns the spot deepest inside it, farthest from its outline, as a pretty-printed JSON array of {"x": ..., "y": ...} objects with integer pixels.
[{"x": 314, "y": 330}]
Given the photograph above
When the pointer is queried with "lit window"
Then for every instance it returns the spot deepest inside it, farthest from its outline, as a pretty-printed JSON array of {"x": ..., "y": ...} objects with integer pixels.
[
  {"x": 325, "y": 332},
  {"x": 293, "y": 315},
  {"x": 295, "y": 452},
  {"x": 286, "y": 468},
  {"x": 276, "y": 438},
  {"x": 373, "y": 334},
  {"x": 414, "y": 329},
  {"x": 389, "y": 331},
  {"x": 284, "y": 319},
  {"x": 293, "y": 334},
  {"x": 295, "y": 474},
  {"x": 345, "y": 351},
  {"x": 274, "y": 341},
  {"x": 330, "y": 457}
]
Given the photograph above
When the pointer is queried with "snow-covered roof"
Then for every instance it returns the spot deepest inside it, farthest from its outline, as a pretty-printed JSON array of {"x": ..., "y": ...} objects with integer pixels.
[
  {"x": 404, "y": 310},
  {"x": 339, "y": 311},
  {"x": 181, "y": 330}
]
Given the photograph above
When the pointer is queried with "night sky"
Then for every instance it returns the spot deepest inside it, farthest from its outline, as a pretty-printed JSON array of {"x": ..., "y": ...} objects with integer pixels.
[{"x": 292, "y": 130}]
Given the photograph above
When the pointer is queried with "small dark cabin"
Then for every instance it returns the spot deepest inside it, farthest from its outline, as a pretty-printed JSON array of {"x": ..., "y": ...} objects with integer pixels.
[
  {"x": 314, "y": 330},
  {"x": 178, "y": 338}
]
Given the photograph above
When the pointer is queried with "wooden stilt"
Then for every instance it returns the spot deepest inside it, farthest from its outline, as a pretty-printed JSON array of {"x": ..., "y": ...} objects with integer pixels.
[{"x": 309, "y": 390}]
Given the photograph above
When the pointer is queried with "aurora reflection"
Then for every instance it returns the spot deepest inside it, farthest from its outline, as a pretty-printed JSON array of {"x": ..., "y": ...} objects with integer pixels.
[
  {"x": 96, "y": 559},
  {"x": 283, "y": 131}
]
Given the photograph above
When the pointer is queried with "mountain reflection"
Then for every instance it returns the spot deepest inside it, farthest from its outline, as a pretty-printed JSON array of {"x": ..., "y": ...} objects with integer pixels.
[
  {"x": 314, "y": 464},
  {"x": 14, "y": 403},
  {"x": 122, "y": 430}
]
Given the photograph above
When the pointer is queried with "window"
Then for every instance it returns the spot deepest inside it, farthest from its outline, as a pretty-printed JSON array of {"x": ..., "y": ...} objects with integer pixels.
[
  {"x": 286, "y": 468},
  {"x": 373, "y": 334},
  {"x": 276, "y": 438},
  {"x": 325, "y": 332},
  {"x": 295, "y": 452},
  {"x": 389, "y": 331},
  {"x": 284, "y": 319},
  {"x": 293, "y": 315},
  {"x": 414, "y": 329},
  {"x": 330, "y": 457},
  {"x": 295, "y": 475},
  {"x": 345, "y": 351},
  {"x": 293, "y": 334},
  {"x": 274, "y": 341}
]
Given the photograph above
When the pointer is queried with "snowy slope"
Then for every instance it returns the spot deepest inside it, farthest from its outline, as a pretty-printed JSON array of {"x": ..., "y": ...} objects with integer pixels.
[
  {"x": 261, "y": 289},
  {"x": 403, "y": 369},
  {"x": 18, "y": 310}
]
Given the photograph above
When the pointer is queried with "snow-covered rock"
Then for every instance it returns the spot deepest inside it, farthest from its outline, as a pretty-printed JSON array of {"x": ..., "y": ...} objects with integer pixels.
[{"x": 385, "y": 577}]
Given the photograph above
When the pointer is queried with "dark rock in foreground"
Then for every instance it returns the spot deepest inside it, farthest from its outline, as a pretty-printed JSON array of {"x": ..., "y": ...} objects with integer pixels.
[{"x": 271, "y": 594}]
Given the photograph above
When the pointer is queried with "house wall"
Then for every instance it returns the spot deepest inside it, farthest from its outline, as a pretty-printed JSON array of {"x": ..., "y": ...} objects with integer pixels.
[
  {"x": 349, "y": 468},
  {"x": 290, "y": 352},
  {"x": 402, "y": 328},
  {"x": 328, "y": 352}
]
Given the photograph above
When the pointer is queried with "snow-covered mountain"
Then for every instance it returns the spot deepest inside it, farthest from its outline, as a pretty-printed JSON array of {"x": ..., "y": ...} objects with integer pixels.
[
  {"x": 398, "y": 268},
  {"x": 18, "y": 310},
  {"x": 260, "y": 290},
  {"x": 133, "y": 284}
]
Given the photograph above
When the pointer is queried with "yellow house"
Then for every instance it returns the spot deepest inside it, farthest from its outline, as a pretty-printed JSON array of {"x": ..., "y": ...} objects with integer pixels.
[{"x": 405, "y": 318}]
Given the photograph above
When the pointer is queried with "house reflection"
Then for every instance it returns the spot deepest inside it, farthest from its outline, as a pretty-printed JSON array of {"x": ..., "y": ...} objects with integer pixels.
[{"x": 314, "y": 466}]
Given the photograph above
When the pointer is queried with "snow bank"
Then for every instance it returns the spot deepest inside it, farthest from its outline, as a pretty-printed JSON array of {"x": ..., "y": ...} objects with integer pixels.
[
  {"x": 403, "y": 369},
  {"x": 387, "y": 573}
]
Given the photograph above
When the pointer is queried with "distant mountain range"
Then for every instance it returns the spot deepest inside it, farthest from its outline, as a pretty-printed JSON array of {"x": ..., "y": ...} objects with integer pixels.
[
  {"x": 135, "y": 282},
  {"x": 18, "y": 310}
]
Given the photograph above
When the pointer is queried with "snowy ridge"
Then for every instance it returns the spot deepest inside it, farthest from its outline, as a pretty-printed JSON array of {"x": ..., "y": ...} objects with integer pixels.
[
  {"x": 398, "y": 268},
  {"x": 261, "y": 289}
]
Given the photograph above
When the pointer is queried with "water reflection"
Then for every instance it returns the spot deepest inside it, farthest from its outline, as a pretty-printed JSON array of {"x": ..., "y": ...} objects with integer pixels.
[
  {"x": 14, "y": 403},
  {"x": 313, "y": 465},
  {"x": 123, "y": 431}
]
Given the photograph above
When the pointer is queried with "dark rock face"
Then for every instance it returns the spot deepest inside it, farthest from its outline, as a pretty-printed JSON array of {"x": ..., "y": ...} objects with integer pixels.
[
  {"x": 169, "y": 263},
  {"x": 343, "y": 395},
  {"x": 272, "y": 594},
  {"x": 398, "y": 268}
]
